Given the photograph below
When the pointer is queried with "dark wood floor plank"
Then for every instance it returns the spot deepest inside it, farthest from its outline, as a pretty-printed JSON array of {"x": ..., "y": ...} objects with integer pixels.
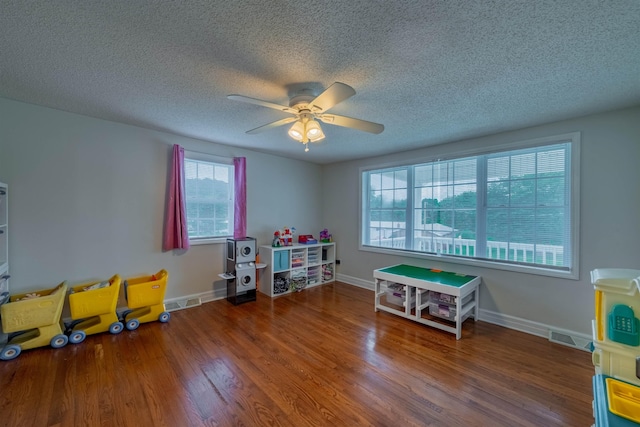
[{"x": 320, "y": 357}]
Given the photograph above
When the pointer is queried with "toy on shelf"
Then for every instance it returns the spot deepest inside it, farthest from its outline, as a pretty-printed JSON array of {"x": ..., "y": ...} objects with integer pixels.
[
  {"x": 325, "y": 237},
  {"x": 33, "y": 321},
  {"x": 145, "y": 300},
  {"x": 287, "y": 236},
  {"x": 93, "y": 309},
  {"x": 306, "y": 239},
  {"x": 277, "y": 241},
  {"x": 283, "y": 237}
]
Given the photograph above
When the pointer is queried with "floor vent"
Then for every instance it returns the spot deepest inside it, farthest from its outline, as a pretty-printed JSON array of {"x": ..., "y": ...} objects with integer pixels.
[
  {"x": 570, "y": 340},
  {"x": 180, "y": 304}
]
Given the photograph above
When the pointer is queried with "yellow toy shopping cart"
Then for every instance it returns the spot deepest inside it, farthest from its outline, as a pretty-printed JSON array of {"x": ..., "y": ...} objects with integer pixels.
[
  {"x": 93, "y": 309},
  {"x": 33, "y": 320},
  {"x": 145, "y": 300}
]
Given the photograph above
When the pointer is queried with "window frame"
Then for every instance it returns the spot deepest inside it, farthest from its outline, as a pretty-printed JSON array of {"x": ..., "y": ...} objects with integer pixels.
[
  {"x": 572, "y": 174},
  {"x": 215, "y": 160}
]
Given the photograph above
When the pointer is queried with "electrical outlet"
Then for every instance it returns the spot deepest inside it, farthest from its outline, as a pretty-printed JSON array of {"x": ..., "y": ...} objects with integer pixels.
[{"x": 337, "y": 262}]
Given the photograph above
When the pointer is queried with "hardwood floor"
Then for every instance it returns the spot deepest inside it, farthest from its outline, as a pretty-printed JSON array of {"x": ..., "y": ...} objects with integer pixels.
[{"x": 321, "y": 357}]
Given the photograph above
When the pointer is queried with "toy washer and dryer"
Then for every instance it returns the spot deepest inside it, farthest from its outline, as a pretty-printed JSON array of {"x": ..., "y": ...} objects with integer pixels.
[{"x": 241, "y": 268}]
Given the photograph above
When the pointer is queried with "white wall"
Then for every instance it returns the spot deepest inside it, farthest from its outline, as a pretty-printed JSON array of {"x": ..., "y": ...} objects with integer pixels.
[
  {"x": 87, "y": 201},
  {"x": 610, "y": 223}
]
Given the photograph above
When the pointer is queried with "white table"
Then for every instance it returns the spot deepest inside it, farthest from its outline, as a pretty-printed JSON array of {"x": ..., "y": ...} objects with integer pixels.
[{"x": 421, "y": 281}]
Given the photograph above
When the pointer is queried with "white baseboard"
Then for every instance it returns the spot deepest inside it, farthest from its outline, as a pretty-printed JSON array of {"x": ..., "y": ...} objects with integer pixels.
[
  {"x": 554, "y": 334},
  {"x": 512, "y": 322},
  {"x": 355, "y": 281}
]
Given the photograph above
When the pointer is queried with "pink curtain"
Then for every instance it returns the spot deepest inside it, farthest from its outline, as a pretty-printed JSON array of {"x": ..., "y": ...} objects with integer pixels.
[
  {"x": 240, "y": 205},
  {"x": 175, "y": 230}
]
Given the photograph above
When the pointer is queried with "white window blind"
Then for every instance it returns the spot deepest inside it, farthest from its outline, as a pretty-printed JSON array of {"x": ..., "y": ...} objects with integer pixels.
[
  {"x": 209, "y": 194},
  {"x": 511, "y": 207}
]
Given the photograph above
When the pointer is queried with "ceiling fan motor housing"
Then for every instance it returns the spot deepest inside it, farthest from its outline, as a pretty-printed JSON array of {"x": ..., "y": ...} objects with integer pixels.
[{"x": 300, "y": 102}]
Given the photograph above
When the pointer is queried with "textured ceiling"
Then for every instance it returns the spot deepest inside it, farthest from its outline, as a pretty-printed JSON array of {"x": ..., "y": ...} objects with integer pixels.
[{"x": 431, "y": 71}]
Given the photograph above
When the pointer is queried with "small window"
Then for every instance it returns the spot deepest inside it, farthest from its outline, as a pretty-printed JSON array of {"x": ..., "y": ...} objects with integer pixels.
[
  {"x": 514, "y": 207},
  {"x": 209, "y": 194}
]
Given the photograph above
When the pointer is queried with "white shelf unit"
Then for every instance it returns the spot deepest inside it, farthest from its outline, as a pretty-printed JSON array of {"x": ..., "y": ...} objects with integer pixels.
[
  {"x": 309, "y": 265},
  {"x": 4, "y": 239}
]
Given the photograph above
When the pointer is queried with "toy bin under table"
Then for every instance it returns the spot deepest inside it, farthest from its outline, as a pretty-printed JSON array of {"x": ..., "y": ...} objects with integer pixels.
[
  {"x": 145, "y": 300},
  {"x": 33, "y": 320},
  {"x": 93, "y": 309}
]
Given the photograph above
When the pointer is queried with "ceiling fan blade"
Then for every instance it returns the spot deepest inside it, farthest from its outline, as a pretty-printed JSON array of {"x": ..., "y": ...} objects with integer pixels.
[
  {"x": 349, "y": 122},
  {"x": 272, "y": 125},
  {"x": 262, "y": 103},
  {"x": 334, "y": 94}
]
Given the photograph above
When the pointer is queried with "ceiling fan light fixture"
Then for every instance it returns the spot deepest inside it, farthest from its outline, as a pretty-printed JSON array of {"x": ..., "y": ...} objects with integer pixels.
[
  {"x": 314, "y": 131},
  {"x": 297, "y": 131}
]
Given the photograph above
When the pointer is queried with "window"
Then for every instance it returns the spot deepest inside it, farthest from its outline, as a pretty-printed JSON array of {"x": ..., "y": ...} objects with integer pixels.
[
  {"x": 512, "y": 208},
  {"x": 209, "y": 196}
]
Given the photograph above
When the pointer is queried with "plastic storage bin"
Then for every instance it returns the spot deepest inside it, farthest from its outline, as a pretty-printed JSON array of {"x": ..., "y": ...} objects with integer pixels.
[
  {"x": 33, "y": 321},
  {"x": 145, "y": 299},
  {"x": 93, "y": 309},
  {"x": 441, "y": 298},
  {"x": 443, "y": 311},
  {"x": 396, "y": 294}
]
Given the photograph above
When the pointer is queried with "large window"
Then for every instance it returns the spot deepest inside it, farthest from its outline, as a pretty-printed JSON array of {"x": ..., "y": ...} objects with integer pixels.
[
  {"x": 514, "y": 208},
  {"x": 209, "y": 196}
]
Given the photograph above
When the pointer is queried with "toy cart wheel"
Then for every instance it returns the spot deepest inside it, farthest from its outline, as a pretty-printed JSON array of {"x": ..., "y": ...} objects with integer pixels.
[
  {"x": 69, "y": 326},
  {"x": 59, "y": 341},
  {"x": 132, "y": 324},
  {"x": 116, "y": 327},
  {"x": 77, "y": 337},
  {"x": 124, "y": 315},
  {"x": 10, "y": 352},
  {"x": 164, "y": 317}
]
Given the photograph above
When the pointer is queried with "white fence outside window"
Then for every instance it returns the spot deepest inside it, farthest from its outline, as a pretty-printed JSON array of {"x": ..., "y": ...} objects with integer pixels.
[{"x": 544, "y": 254}]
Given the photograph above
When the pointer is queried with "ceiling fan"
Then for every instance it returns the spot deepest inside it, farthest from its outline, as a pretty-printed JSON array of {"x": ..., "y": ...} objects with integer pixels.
[{"x": 307, "y": 109}]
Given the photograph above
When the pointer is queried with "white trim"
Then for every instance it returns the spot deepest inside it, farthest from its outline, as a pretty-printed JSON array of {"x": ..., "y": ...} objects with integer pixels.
[
  {"x": 516, "y": 145},
  {"x": 515, "y": 323},
  {"x": 575, "y": 204},
  {"x": 208, "y": 241},
  {"x": 354, "y": 281},
  {"x": 205, "y": 157}
]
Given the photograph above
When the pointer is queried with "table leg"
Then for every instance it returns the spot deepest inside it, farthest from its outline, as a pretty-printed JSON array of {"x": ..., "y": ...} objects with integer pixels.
[{"x": 476, "y": 309}]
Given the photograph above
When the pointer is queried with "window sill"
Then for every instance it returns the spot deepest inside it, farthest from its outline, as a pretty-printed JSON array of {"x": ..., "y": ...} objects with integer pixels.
[{"x": 211, "y": 241}]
